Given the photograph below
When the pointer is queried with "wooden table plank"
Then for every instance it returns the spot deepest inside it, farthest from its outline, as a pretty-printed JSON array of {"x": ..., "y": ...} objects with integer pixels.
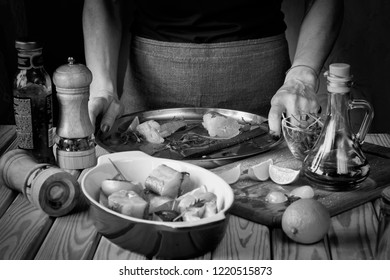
[
  {"x": 285, "y": 249},
  {"x": 7, "y": 135},
  {"x": 353, "y": 233},
  {"x": 23, "y": 228},
  {"x": 7, "y": 196},
  {"x": 244, "y": 240},
  {"x": 73, "y": 236},
  {"x": 109, "y": 251}
]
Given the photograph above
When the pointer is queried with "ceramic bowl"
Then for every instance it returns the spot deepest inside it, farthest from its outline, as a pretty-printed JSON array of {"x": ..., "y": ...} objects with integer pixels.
[{"x": 165, "y": 240}]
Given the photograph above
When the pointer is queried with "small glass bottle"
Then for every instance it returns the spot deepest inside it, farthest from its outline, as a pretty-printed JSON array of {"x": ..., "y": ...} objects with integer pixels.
[
  {"x": 33, "y": 108},
  {"x": 336, "y": 162},
  {"x": 383, "y": 238}
]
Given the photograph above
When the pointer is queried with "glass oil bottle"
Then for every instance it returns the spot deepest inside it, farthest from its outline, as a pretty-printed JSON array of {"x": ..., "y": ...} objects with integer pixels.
[{"x": 336, "y": 162}]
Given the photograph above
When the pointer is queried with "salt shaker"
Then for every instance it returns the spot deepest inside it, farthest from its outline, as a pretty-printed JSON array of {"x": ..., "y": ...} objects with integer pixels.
[
  {"x": 75, "y": 143},
  {"x": 383, "y": 238},
  {"x": 49, "y": 188}
]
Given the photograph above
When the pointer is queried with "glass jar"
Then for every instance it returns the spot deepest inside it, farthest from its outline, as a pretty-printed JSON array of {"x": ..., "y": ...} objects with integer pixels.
[{"x": 33, "y": 107}]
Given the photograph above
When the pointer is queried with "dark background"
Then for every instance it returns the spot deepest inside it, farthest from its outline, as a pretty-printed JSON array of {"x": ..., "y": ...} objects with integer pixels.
[
  {"x": 55, "y": 23},
  {"x": 364, "y": 43}
]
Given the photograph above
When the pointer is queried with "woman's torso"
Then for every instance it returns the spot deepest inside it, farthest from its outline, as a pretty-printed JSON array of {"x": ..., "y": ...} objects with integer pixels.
[{"x": 200, "y": 21}]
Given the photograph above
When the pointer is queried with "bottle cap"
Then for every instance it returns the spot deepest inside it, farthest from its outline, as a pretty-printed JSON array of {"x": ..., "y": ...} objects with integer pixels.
[
  {"x": 28, "y": 45},
  {"x": 340, "y": 70},
  {"x": 72, "y": 75}
]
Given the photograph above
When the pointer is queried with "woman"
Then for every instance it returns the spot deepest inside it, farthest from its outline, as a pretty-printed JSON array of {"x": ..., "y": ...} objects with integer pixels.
[{"x": 223, "y": 53}]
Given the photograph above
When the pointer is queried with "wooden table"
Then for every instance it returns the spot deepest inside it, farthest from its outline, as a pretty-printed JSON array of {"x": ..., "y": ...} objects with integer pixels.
[{"x": 28, "y": 233}]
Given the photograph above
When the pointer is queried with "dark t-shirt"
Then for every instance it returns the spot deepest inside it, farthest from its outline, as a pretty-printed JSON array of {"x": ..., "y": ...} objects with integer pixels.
[{"x": 207, "y": 21}]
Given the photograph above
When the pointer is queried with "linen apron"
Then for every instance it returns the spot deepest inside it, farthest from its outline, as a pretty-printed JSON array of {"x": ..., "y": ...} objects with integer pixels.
[{"x": 239, "y": 75}]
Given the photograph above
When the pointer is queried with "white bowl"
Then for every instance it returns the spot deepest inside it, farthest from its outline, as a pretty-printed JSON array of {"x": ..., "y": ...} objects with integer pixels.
[{"x": 156, "y": 238}]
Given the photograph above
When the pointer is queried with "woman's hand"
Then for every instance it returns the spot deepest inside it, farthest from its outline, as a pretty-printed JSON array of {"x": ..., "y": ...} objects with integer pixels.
[
  {"x": 296, "y": 96},
  {"x": 106, "y": 105}
]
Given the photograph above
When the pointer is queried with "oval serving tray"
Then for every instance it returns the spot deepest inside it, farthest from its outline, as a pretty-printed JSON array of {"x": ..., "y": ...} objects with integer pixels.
[{"x": 119, "y": 139}]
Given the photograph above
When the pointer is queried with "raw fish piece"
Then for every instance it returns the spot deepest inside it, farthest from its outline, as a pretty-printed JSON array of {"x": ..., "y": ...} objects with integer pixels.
[
  {"x": 159, "y": 203},
  {"x": 164, "y": 181},
  {"x": 149, "y": 131},
  {"x": 219, "y": 125},
  {"x": 128, "y": 203},
  {"x": 187, "y": 184}
]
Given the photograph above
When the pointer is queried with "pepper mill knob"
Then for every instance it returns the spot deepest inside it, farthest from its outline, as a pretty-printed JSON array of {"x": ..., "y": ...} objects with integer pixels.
[{"x": 74, "y": 128}]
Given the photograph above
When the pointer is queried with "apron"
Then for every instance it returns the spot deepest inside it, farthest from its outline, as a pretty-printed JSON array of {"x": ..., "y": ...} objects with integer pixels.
[{"x": 239, "y": 75}]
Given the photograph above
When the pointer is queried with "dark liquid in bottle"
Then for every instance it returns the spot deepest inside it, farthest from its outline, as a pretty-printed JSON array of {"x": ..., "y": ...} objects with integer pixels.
[
  {"x": 34, "y": 120},
  {"x": 338, "y": 170}
]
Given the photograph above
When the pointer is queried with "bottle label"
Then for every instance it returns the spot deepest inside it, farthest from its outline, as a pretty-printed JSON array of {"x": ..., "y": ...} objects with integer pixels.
[
  {"x": 28, "y": 61},
  {"x": 23, "y": 121}
]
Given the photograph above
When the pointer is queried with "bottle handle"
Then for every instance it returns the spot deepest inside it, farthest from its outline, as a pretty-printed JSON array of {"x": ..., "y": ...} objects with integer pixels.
[{"x": 366, "y": 123}]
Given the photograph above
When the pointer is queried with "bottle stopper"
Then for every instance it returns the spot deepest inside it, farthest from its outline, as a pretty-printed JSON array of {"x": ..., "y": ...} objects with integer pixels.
[
  {"x": 339, "y": 78},
  {"x": 341, "y": 70}
]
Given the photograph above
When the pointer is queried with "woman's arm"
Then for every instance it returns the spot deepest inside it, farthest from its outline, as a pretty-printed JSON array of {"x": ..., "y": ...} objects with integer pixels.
[
  {"x": 103, "y": 26},
  {"x": 319, "y": 30}
]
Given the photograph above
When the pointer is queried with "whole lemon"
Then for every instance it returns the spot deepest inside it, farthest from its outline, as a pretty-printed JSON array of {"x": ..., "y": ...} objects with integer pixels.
[{"x": 306, "y": 221}]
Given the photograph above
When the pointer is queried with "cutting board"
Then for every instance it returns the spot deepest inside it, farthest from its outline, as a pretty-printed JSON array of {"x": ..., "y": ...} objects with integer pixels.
[{"x": 250, "y": 195}]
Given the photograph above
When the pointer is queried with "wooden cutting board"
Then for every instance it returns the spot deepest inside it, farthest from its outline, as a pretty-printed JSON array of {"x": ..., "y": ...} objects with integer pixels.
[{"x": 250, "y": 195}]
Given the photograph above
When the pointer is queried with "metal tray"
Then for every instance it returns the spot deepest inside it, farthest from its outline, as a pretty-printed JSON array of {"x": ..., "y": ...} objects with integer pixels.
[{"x": 114, "y": 140}]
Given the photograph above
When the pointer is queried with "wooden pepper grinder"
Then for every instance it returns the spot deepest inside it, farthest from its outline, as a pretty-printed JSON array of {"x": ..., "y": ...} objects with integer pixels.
[
  {"x": 49, "y": 188},
  {"x": 75, "y": 144}
]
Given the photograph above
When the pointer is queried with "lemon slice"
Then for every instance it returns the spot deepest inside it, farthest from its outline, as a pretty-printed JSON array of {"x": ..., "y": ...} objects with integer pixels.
[
  {"x": 282, "y": 175},
  {"x": 230, "y": 175},
  {"x": 260, "y": 172}
]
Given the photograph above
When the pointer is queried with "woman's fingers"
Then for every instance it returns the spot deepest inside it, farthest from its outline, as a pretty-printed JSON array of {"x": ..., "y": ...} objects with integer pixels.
[
  {"x": 114, "y": 110},
  {"x": 96, "y": 107},
  {"x": 291, "y": 99}
]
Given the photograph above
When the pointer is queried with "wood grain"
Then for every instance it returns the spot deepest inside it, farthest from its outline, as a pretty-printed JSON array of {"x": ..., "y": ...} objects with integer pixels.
[
  {"x": 7, "y": 196},
  {"x": 109, "y": 251},
  {"x": 7, "y": 135},
  {"x": 352, "y": 235},
  {"x": 71, "y": 237},
  {"x": 244, "y": 240},
  {"x": 285, "y": 249},
  {"x": 23, "y": 228}
]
